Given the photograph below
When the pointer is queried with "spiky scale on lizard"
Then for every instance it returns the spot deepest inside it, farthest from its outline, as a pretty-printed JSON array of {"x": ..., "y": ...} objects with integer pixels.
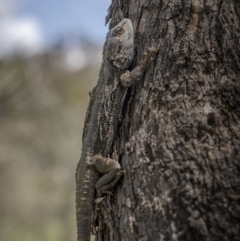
[{"x": 102, "y": 120}]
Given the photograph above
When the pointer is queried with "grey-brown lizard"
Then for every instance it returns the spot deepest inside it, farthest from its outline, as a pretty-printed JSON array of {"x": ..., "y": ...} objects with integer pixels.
[{"x": 102, "y": 120}]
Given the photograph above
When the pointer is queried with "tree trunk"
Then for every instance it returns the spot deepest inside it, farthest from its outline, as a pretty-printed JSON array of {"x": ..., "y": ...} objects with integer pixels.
[{"x": 179, "y": 139}]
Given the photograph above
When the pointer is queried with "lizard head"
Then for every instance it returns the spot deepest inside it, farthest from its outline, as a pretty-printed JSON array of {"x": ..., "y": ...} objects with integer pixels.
[{"x": 120, "y": 46}]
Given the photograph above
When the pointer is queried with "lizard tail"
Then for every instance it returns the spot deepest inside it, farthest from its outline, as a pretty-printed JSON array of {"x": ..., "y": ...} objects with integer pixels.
[
  {"x": 84, "y": 211},
  {"x": 85, "y": 188}
]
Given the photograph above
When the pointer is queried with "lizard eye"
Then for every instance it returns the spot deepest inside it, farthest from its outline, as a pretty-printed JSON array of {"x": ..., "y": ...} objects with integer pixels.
[{"x": 119, "y": 30}]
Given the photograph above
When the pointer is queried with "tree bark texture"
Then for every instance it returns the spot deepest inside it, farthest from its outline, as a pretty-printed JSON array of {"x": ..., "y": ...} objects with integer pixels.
[{"x": 179, "y": 139}]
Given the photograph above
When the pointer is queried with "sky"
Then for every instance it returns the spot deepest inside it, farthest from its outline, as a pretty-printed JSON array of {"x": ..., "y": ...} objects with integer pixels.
[{"x": 32, "y": 25}]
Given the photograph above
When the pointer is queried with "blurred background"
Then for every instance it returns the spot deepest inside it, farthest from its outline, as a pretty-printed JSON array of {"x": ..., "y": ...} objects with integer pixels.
[{"x": 50, "y": 55}]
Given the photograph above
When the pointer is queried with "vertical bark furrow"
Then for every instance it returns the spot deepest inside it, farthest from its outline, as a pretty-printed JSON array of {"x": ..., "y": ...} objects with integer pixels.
[{"x": 179, "y": 139}]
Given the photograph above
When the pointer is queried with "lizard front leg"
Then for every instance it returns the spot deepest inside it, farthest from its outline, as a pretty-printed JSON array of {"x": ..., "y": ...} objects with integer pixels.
[{"x": 130, "y": 78}]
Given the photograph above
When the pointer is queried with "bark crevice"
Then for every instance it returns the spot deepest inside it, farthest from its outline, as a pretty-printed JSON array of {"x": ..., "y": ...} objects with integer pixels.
[{"x": 179, "y": 137}]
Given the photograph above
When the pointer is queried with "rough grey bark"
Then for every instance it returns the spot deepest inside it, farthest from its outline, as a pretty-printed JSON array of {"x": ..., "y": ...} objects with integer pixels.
[{"x": 179, "y": 139}]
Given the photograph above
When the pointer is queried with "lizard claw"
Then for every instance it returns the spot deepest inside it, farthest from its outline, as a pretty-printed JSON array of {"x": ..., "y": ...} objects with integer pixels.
[
  {"x": 100, "y": 200},
  {"x": 126, "y": 79}
]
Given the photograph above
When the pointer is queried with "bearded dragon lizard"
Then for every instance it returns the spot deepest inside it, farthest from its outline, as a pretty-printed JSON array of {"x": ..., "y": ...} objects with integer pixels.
[{"x": 102, "y": 120}]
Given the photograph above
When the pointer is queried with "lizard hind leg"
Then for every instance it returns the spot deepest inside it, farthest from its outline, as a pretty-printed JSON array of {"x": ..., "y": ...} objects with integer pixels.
[
  {"x": 111, "y": 171},
  {"x": 104, "y": 189}
]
